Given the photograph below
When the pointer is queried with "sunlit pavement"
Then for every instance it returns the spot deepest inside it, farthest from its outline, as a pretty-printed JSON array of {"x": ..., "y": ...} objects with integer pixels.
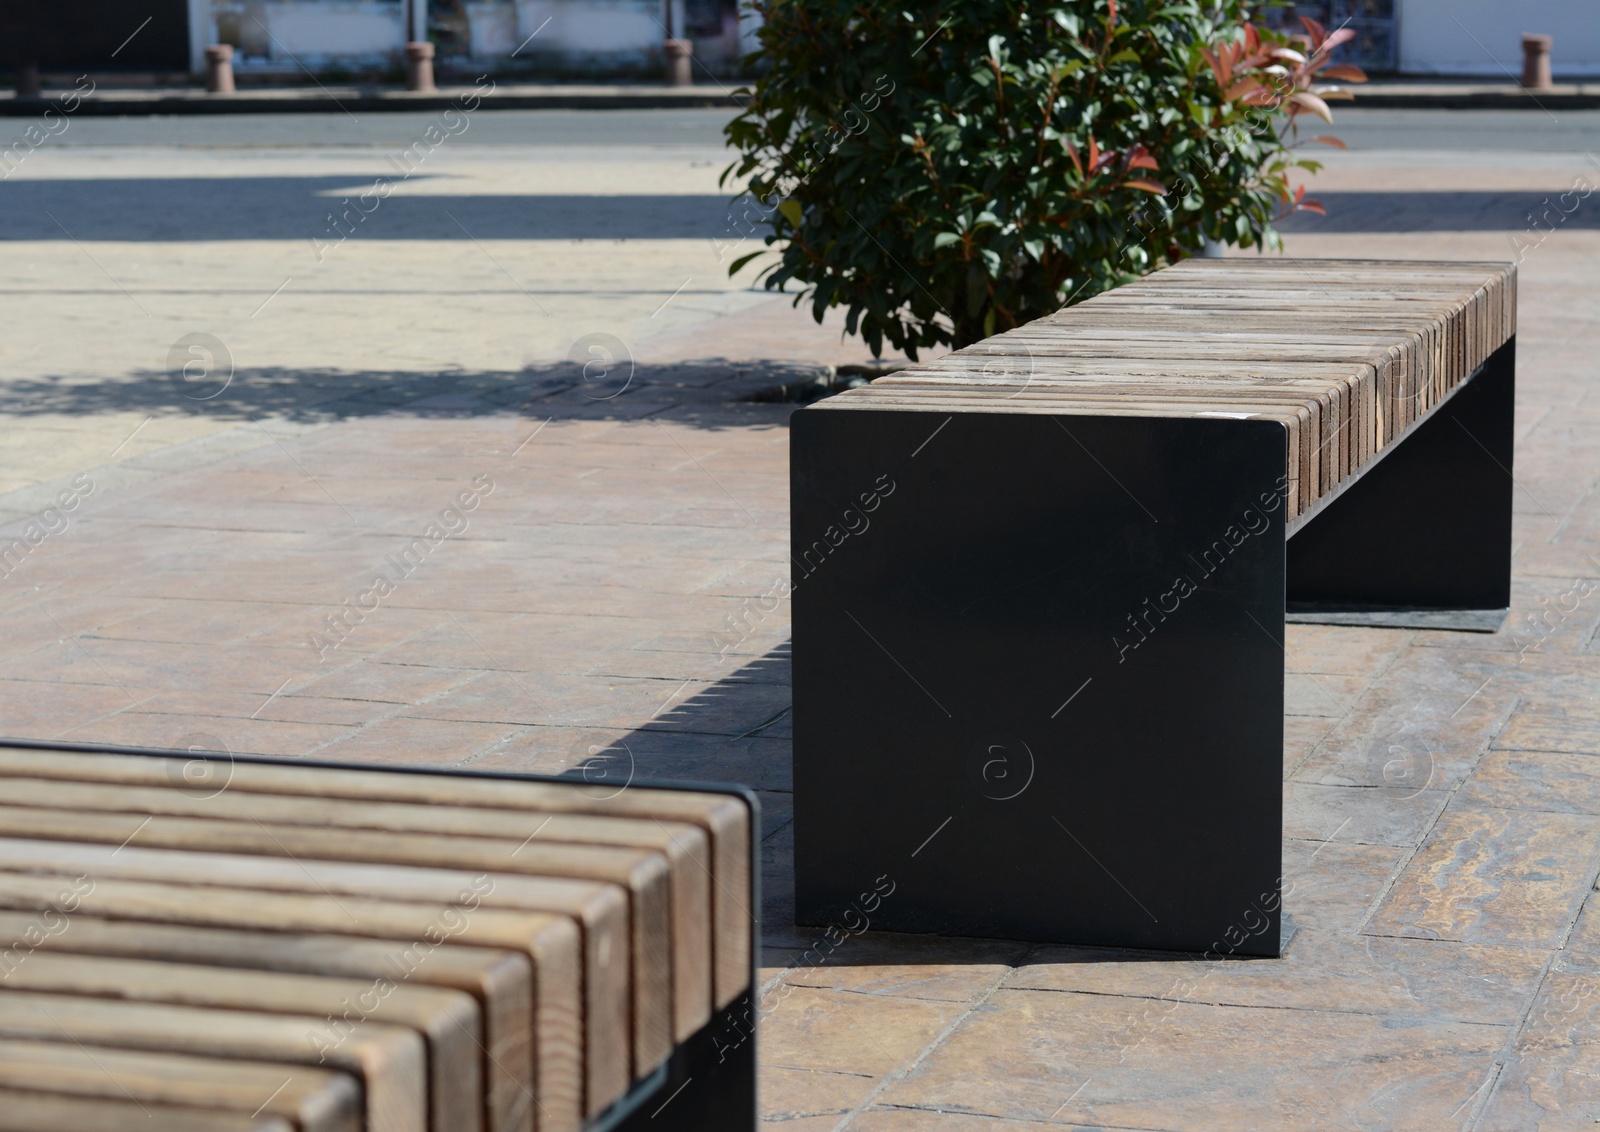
[{"x": 592, "y": 564}]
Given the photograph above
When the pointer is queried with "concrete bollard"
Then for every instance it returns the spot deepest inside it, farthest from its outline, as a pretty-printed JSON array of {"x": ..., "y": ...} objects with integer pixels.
[
  {"x": 1536, "y": 62},
  {"x": 419, "y": 66},
  {"x": 679, "y": 54},
  {"x": 219, "y": 69},
  {"x": 28, "y": 83}
]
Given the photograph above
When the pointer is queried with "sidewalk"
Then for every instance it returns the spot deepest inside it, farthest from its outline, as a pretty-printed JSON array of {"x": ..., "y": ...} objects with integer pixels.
[
  {"x": 340, "y": 99},
  {"x": 1395, "y": 93},
  {"x": 605, "y": 579}
]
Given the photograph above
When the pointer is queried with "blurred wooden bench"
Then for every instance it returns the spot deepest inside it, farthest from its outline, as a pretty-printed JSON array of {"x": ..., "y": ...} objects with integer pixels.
[
  {"x": 1041, "y": 586},
  {"x": 404, "y": 951}
]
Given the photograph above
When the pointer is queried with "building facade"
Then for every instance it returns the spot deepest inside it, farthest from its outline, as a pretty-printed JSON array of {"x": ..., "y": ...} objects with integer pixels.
[
  {"x": 591, "y": 38},
  {"x": 549, "y": 38},
  {"x": 1460, "y": 38}
]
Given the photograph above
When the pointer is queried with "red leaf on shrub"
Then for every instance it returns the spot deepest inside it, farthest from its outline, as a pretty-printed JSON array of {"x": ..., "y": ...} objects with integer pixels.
[
  {"x": 1148, "y": 186},
  {"x": 1221, "y": 67},
  {"x": 1343, "y": 35},
  {"x": 1315, "y": 30},
  {"x": 1312, "y": 103},
  {"x": 1072, "y": 152},
  {"x": 1094, "y": 154},
  {"x": 1346, "y": 71},
  {"x": 1328, "y": 139},
  {"x": 1311, "y": 206},
  {"x": 1242, "y": 88}
]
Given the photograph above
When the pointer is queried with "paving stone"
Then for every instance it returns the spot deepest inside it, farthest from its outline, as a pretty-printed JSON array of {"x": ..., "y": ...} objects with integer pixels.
[
  {"x": 1101, "y": 1060},
  {"x": 1494, "y": 876},
  {"x": 1556, "y": 722},
  {"x": 1397, "y": 815},
  {"x": 139, "y": 727},
  {"x": 1425, "y": 725},
  {"x": 1306, "y": 693},
  {"x": 1535, "y": 780},
  {"x": 1553, "y": 1080},
  {"x": 945, "y": 970},
  {"x": 1342, "y": 650},
  {"x": 426, "y": 742},
  {"x": 935, "y": 1120},
  {"x": 790, "y": 1094},
  {"x": 847, "y": 1032},
  {"x": 1333, "y": 885},
  {"x": 1411, "y": 979}
]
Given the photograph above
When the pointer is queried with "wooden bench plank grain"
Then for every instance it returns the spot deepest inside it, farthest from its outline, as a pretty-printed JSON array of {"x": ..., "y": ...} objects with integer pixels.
[
  {"x": 499, "y": 981},
  {"x": 724, "y": 820},
  {"x": 519, "y": 840},
  {"x": 600, "y": 909},
  {"x": 52, "y": 1112},
  {"x": 554, "y": 876},
  {"x": 327, "y": 1009},
  {"x": 307, "y": 1099},
  {"x": 553, "y": 945},
  {"x": 390, "y": 1061},
  {"x": 1413, "y": 333}
]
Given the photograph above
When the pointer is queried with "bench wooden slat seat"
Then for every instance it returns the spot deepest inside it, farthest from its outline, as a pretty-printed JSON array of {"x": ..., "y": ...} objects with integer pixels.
[
  {"x": 538, "y": 955},
  {"x": 724, "y": 820},
  {"x": 1041, "y": 583},
  {"x": 1225, "y": 336},
  {"x": 561, "y": 845},
  {"x": 103, "y": 1084}
]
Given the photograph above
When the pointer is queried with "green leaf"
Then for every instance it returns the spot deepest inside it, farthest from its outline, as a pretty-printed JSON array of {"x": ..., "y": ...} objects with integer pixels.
[{"x": 948, "y": 152}]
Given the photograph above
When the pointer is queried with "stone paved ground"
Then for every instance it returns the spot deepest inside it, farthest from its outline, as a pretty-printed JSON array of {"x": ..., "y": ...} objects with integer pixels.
[{"x": 605, "y": 594}]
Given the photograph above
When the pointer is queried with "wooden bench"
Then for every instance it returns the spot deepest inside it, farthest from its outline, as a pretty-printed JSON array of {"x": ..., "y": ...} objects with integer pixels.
[
  {"x": 397, "y": 951},
  {"x": 1040, "y": 586}
]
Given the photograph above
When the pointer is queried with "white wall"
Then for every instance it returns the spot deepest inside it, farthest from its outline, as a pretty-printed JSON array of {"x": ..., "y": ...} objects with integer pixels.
[
  {"x": 593, "y": 28},
  {"x": 332, "y": 28},
  {"x": 1484, "y": 37}
]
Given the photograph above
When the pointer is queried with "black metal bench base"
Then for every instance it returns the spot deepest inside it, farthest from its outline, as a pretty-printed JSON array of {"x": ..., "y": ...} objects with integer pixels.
[
  {"x": 708, "y": 1085},
  {"x": 1039, "y": 664}
]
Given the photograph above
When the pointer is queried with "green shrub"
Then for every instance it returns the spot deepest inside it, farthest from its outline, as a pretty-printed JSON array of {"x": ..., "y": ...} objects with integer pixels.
[{"x": 960, "y": 169}]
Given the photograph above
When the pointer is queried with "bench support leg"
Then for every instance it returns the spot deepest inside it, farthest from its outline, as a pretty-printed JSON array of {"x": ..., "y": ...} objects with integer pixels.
[
  {"x": 708, "y": 1084},
  {"x": 1422, "y": 539},
  {"x": 1038, "y": 677}
]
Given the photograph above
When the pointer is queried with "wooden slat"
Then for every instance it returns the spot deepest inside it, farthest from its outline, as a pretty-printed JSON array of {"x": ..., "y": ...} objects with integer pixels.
[
  {"x": 546, "y": 874},
  {"x": 723, "y": 820},
  {"x": 51, "y": 1112},
  {"x": 311, "y": 1100},
  {"x": 521, "y": 839},
  {"x": 1364, "y": 349},
  {"x": 600, "y": 909},
  {"x": 326, "y": 1009},
  {"x": 499, "y": 981},
  {"x": 553, "y": 945},
  {"x": 390, "y": 1061}
]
